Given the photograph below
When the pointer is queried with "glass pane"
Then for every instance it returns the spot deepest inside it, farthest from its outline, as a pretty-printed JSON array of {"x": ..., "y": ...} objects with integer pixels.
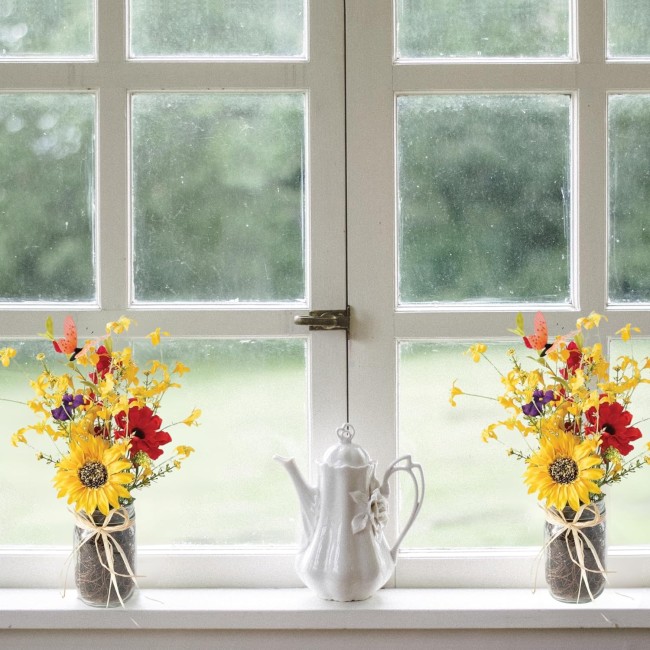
[
  {"x": 228, "y": 28},
  {"x": 629, "y": 198},
  {"x": 47, "y": 197},
  {"x": 627, "y": 507},
  {"x": 483, "y": 198},
  {"x": 253, "y": 396},
  {"x": 218, "y": 203},
  {"x": 628, "y": 26},
  {"x": 477, "y": 495},
  {"x": 47, "y": 29},
  {"x": 483, "y": 28}
]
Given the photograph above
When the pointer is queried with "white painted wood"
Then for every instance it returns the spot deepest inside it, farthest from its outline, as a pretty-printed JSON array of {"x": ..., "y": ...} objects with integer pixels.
[
  {"x": 293, "y": 618},
  {"x": 278, "y": 609}
]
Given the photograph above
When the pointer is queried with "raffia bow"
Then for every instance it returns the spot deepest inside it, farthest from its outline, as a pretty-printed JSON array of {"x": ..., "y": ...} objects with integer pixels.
[
  {"x": 573, "y": 529},
  {"x": 104, "y": 532}
]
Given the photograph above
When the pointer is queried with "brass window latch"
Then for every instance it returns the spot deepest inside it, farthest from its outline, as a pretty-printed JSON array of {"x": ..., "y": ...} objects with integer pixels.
[{"x": 326, "y": 319}]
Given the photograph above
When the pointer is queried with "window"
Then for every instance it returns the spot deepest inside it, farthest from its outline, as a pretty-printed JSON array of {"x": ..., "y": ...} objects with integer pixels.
[{"x": 211, "y": 180}]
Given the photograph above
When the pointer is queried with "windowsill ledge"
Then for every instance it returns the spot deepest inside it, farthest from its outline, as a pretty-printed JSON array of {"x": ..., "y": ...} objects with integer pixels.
[{"x": 296, "y": 609}]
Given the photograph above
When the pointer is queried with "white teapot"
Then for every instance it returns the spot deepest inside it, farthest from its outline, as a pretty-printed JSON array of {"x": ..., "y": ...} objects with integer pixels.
[{"x": 344, "y": 555}]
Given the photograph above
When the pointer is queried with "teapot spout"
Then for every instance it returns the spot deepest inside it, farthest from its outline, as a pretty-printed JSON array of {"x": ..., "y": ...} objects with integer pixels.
[{"x": 307, "y": 495}]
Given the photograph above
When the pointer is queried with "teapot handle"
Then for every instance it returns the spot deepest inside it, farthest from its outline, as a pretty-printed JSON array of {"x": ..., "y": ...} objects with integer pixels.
[{"x": 415, "y": 470}]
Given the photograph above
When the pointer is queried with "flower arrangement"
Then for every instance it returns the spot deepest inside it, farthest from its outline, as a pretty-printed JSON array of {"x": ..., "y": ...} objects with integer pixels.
[
  {"x": 101, "y": 415},
  {"x": 572, "y": 410}
]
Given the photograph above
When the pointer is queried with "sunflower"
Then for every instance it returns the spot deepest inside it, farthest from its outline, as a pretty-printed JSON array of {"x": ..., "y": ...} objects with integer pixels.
[
  {"x": 93, "y": 475},
  {"x": 563, "y": 471}
]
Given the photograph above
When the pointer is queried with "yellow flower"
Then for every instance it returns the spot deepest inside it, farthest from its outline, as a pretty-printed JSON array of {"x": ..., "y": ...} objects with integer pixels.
[
  {"x": 106, "y": 386},
  {"x": 40, "y": 384},
  {"x": 476, "y": 351},
  {"x": 626, "y": 332},
  {"x": 180, "y": 369},
  {"x": 6, "y": 355},
  {"x": 19, "y": 437},
  {"x": 589, "y": 322},
  {"x": 155, "y": 336},
  {"x": 455, "y": 391},
  {"x": 93, "y": 475},
  {"x": 192, "y": 417},
  {"x": 488, "y": 433},
  {"x": 184, "y": 451},
  {"x": 564, "y": 470},
  {"x": 119, "y": 326}
]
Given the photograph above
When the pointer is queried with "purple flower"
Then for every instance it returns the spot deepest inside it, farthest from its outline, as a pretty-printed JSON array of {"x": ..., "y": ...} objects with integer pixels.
[
  {"x": 535, "y": 408},
  {"x": 68, "y": 404}
]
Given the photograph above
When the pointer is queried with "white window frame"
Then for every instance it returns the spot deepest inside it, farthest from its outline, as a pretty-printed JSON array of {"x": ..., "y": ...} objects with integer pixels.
[{"x": 362, "y": 139}]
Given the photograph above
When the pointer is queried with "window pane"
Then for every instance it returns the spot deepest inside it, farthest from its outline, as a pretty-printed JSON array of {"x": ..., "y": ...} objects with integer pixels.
[
  {"x": 629, "y": 194},
  {"x": 627, "y": 521},
  {"x": 229, "y": 28},
  {"x": 218, "y": 202},
  {"x": 47, "y": 197},
  {"x": 483, "y": 28},
  {"x": 253, "y": 394},
  {"x": 483, "y": 198},
  {"x": 477, "y": 495},
  {"x": 628, "y": 26},
  {"x": 47, "y": 29}
]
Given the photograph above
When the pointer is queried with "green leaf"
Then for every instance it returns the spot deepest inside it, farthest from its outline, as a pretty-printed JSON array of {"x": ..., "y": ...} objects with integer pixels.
[
  {"x": 49, "y": 329},
  {"x": 520, "y": 326}
]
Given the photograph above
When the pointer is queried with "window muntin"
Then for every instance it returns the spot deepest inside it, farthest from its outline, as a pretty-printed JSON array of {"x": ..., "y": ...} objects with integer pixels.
[
  {"x": 219, "y": 197},
  {"x": 483, "y": 29},
  {"x": 230, "y": 29},
  {"x": 47, "y": 197},
  {"x": 42, "y": 29},
  {"x": 629, "y": 197},
  {"x": 483, "y": 198}
]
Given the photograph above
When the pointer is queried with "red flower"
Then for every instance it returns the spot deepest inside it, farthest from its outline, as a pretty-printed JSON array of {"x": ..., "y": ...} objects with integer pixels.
[
  {"x": 142, "y": 426},
  {"x": 103, "y": 364},
  {"x": 575, "y": 356},
  {"x": 612, "y": 422},
  {"x": 573, "y": 362}
]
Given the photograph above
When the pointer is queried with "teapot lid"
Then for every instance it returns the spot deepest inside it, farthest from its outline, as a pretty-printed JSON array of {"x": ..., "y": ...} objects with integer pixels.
[{"x": 346, "y": 453}]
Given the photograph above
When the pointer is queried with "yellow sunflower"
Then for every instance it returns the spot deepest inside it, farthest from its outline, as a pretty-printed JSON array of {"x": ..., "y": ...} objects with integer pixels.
[
  {"x": 564, "y": 470},
  {"x": 93, "y": 475}
]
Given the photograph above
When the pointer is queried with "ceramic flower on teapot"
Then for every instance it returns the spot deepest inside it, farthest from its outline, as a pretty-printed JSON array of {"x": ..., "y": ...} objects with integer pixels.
[{"x": 344, "y": 554}]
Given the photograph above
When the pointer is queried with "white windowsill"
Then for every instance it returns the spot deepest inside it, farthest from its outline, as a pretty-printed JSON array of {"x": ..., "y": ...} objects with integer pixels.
[{"x": 296, "y": 609}]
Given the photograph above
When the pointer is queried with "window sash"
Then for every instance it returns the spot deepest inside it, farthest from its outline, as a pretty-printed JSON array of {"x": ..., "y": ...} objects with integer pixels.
[{"x": 113, "y": 77}]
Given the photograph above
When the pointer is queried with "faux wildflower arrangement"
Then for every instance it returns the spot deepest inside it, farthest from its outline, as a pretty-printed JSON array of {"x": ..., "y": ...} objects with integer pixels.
[
  {"x": 573, "y": 411},
  {"x": 100, "y": 414}
]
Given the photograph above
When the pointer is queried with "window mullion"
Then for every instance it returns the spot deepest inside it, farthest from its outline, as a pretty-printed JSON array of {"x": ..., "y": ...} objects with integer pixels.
[{"x": 371, "y": 257}]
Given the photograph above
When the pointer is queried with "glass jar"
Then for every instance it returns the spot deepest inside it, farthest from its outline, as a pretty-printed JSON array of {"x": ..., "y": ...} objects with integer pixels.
[
  {"x": 96, "y": 583},
  {"x": 575, "y": 574}
]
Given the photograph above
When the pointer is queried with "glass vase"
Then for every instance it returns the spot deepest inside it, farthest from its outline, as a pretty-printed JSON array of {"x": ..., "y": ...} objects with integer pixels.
[
  {"x": 105, "y": 578},
  {"x": 576, "y": 553}
]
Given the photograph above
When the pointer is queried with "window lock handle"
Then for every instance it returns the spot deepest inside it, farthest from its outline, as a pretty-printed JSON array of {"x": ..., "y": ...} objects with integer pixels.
[{"x": 326, "y": 319}]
